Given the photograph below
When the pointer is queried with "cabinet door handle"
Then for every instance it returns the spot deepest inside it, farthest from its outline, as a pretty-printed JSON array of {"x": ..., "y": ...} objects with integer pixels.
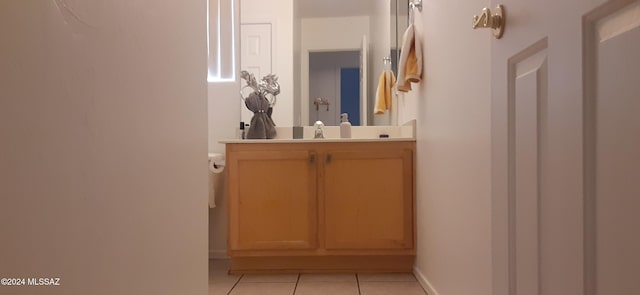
[
  {"x": 329, "y": 158},
  {"x": 312, "y": 158}
]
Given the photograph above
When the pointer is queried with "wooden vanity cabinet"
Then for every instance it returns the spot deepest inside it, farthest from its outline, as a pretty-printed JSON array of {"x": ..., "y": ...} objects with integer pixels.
[
  {"x": 325, "y": 206},
  {"x": 272, "y": 200},
  {"x": 368, "y": 199}
]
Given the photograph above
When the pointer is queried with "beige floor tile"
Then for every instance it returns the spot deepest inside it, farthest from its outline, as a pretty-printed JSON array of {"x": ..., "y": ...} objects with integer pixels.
[
  {"x": 327, "y": 288},
  {"x": 270, "y": 278},
  {"x": 386, "y": 277},
  {"x": 220, "y": 288},
  {"x": 391, "y": 288},
  {"x": 220, "y": 283},
  {"x": 219, "y": 268},
  {"x": 222, "y": 276},
  {"x": 328, "y": 277},
  {"x": 263, "y": 289}
]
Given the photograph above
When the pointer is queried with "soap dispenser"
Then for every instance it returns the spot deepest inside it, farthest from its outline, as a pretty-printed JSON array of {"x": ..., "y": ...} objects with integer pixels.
[{"x": 345, "y": 126}]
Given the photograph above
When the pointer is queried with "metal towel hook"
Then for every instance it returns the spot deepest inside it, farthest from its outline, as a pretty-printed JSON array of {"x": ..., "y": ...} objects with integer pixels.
[
  {"x": 416, "y": 4},
  {"x": 494, "y": 22}
]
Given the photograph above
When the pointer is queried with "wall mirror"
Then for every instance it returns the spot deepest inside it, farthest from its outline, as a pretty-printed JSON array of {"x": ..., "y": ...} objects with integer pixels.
[{"x": 327, "y": 55}]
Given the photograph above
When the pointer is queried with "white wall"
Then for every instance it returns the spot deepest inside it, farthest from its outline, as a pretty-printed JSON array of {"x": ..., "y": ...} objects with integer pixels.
[
  {"x": 453, "y": 152},
  {"x": 380, "y": 48},
  {"x": 224, "y": 119},
  {"x": 319, "y": 34},
  {"x": 103, "y": 129},
  {"x": 280, "y": 14}
]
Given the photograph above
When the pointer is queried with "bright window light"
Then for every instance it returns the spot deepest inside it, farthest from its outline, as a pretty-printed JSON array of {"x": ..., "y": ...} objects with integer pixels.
[{"x": 221, "y": 37}]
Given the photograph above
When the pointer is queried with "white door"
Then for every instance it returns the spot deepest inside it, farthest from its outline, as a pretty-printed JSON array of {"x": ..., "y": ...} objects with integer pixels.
[
  {"x": 363, "y": 81},
  {"x": 566, "y": 148},
  {"x": 255, "y": 48}
]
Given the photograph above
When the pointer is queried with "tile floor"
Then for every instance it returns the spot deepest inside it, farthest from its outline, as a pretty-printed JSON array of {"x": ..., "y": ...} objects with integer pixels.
[{"x": 221, "y": 283}]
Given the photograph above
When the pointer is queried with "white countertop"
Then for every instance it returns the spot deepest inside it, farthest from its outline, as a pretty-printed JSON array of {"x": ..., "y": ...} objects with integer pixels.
[{"x": 332, "y": 134}]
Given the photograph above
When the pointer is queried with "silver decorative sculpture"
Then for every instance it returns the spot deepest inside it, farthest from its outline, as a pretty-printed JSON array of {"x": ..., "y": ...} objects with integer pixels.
[{"x": 260, "y": 101}]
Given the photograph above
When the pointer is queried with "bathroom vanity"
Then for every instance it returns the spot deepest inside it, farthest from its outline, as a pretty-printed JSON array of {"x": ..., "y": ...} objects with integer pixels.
[{"x": 321, "y": 205}]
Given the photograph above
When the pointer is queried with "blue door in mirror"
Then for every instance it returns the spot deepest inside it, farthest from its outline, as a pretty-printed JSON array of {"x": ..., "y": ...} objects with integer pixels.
[{"x": 350, "y": 94}]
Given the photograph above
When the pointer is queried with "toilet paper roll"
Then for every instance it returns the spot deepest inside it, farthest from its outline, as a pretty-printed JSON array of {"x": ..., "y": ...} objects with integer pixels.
[
  {"x": 216, "y": 162},
  {"x": 215, "y": 168}
]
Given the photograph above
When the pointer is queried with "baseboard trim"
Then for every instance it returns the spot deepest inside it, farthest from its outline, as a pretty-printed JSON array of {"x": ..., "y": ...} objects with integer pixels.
[
  {"x": 218, "y": 254},
  {"x": 424, "y": 282},
  {"x": 321, "y": 264}
]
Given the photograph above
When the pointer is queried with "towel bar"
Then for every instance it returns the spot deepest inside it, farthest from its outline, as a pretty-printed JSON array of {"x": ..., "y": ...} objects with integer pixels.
[{"x": 416, "y": 4}]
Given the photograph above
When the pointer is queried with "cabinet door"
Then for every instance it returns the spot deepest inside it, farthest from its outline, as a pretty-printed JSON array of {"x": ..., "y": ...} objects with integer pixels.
[
  {"x": 272, "y": 200},
  {"x": 368, "y": 199}
]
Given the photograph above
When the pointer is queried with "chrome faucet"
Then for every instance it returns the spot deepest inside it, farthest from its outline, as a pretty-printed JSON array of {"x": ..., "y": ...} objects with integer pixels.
[{"x": 319, "y": 127}]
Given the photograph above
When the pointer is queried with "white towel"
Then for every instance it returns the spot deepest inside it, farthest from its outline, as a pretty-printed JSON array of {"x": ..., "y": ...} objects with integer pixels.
[{"x": 410, "y": 62}]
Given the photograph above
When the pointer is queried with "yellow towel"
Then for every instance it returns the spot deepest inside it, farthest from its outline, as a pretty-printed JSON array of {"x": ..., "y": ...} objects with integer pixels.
[
  {"x": 410, "y": 62},
  {"x": 383, "y": 94}
]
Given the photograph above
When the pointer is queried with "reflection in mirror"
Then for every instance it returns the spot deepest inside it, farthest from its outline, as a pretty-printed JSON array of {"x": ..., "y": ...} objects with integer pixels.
[
  {"x": 336, "y": 86},
  {"x": 327, "y": 54},
  {"x": 399, "y": 23}
]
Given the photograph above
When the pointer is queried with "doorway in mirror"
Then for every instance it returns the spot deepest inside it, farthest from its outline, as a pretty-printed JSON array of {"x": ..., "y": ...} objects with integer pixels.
[{"x": 334, "y": 86}]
